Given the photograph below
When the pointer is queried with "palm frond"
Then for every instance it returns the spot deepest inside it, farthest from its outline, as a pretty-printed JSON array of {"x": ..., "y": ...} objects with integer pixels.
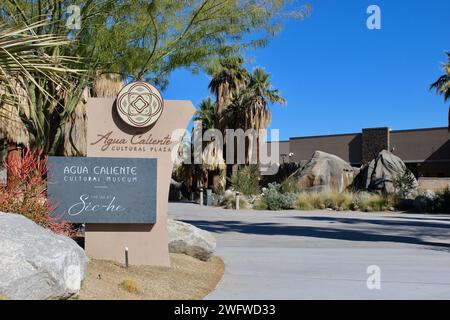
[
  {"x": 442, "y": 84},
  {"x": 25, "y": 67}
]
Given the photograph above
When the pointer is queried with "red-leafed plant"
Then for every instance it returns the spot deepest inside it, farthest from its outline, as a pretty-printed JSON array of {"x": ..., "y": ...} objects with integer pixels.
[{"x": 26, "y": 192}]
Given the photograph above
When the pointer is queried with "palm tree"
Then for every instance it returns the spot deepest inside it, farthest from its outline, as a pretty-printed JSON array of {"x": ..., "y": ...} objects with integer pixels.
[
  {"x": 253, "y": 102},
  {"x": 229, "y": 76},
  {"x": 259, "y": 94},
  {"x": 442, "y": 85},
  {"x": 213, "y": 165},
  {"x": 235, "y": 112},
  {"x": 207, "y": 114},
  {"x": 243, "y": 99}
]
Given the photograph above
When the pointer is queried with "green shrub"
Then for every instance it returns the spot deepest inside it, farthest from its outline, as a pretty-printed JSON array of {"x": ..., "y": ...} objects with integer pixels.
[
  {"x": 444, "y": 201},
  {"x": 246, "y": 180},
  {"x": 272, "y": 196},
  {"x": 405, "y": 183},
  {"x": 287, "y": 200},
  {"x": 276, "y": 200},
  {"x": 427, "y": 201}
]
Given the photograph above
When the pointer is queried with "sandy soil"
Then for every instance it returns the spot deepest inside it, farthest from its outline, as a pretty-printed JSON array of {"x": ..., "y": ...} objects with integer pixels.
[{"x": 187, "y": 278}]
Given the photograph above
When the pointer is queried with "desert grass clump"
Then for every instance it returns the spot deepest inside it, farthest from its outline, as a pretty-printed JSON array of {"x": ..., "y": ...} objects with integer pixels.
[
  {"x": 260, "y": 204},
  {"x": 130, "y": 286},
  {"x": 322, "y": 200},
  {"x": 346, "y": 200},
  {"x": 229, "y": 201},
  {"x": 290, "y": 185},
  {"x": 338, "y": 200},
  {"x": 310, "y": 200},
  {"x": 365, "y": 201},
  {"x": 304, "y": 201}
]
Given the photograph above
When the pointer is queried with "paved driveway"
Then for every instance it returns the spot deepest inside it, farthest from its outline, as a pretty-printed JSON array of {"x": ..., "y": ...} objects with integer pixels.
[{"x": 325, "y": 255}]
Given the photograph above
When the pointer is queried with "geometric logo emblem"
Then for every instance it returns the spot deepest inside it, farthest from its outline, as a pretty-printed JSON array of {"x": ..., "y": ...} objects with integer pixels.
[{"x": 139, "y": 104}]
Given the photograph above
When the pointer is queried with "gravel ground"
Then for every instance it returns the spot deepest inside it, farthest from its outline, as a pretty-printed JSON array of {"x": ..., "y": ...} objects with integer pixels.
[{"x": 187, "y": 278}]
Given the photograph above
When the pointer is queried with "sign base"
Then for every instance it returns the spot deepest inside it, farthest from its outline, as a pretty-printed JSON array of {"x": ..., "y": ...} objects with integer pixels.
[{"x": 145, "y": 243}]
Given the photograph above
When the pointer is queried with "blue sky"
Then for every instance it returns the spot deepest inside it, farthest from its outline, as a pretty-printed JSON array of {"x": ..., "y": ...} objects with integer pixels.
[{"x": 338, "y": 76}]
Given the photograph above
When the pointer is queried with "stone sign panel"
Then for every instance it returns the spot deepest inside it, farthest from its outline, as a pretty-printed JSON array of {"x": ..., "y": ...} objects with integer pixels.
[{"x": 103, "y": 190}]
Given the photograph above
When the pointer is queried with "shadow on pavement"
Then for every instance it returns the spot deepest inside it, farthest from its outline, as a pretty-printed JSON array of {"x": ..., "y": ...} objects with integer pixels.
[
  {"x": 384, "y": 222},
  {"x": 276, "y": 229}
]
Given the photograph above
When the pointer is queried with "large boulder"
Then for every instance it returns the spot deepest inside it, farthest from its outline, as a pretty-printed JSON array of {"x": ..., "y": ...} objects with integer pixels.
[
  {"x": 36, "y": 263},
  {"x": 380, "y": 175},
  {"x": 325, "y": 172},
  {"x": 188, "y": 239}
]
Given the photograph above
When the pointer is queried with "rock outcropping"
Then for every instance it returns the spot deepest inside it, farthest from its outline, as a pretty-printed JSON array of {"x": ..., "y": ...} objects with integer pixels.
[
  {"x": 188, "y": 239},
  {"x": 325, "y": 172},
  {"x": 36, "y": 263},
  {"x": 380, "y": 175}
]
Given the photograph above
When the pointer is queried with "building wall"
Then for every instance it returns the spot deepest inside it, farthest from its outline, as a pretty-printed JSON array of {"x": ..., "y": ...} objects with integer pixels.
[
  {"x": 430, "y": 145},
  {"x": 345, "y": 146},
  {"x": 432, "y": 169},
  {"x": 435, "y": 184},
  {"x": 284, "y": 149}
]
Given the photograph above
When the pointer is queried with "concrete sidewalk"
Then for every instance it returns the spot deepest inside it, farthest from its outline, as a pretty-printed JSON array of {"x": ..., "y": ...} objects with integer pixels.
[{"x": 325, "y": 255}]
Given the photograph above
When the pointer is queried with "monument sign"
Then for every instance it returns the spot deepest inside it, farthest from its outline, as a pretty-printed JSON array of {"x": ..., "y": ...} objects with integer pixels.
[
  {"x": 138, "y": 124},
  {"x": 103, "y": 190}
]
